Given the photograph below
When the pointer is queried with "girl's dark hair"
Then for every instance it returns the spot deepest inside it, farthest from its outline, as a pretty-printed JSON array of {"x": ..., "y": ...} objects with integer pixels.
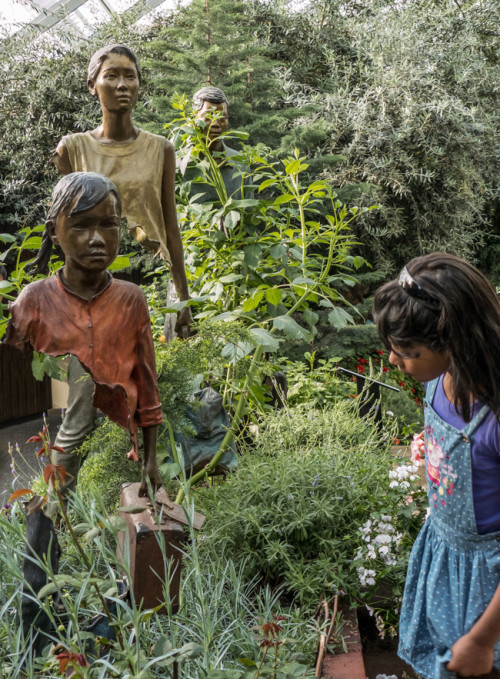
[
  {"x": 446, "y": 304},
  {"x": 98, "y": 58},
  {"x": 88, "y": 189}
]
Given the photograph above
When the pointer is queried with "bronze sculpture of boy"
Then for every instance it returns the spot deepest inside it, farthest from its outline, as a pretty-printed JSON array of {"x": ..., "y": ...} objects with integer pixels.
[{"x": 85, "y": 312}]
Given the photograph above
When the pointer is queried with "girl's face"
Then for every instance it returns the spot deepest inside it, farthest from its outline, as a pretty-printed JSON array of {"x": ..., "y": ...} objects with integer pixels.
[
  {"x": 117, "y": 84},
  {"x": 419, "y": 361}
]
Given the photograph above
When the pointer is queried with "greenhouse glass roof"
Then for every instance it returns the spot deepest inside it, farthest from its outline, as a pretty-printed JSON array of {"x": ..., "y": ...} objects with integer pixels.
[{"x": 31, "y": 18}]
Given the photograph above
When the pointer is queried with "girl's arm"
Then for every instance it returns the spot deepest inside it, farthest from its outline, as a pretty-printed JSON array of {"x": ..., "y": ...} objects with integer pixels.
[
  {"x": 60, "y": 158},
  {"x": 174, "y": 241},
  {"x": 472, "y": 654}
]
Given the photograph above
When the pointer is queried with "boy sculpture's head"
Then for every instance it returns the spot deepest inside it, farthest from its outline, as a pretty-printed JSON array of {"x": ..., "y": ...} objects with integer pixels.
[{"x": 84, "y": 220}]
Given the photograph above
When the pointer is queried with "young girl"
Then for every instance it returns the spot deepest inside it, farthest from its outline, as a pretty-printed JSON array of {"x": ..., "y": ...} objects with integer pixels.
[{"x": 441, "y": 323}]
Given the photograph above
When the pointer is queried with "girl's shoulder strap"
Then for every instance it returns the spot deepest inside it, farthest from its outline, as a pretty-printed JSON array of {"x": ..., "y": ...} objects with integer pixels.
[
  {"x": 471, "y": 426},
  {"x": 430, "y": 389}
]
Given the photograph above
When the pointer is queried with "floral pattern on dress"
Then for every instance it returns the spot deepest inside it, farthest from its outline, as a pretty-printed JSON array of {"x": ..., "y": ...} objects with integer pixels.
[{"x": 440, "y": 473}]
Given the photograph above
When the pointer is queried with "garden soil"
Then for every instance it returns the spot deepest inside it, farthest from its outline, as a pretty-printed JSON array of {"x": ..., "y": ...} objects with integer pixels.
[{"x": 380, "y": 655}]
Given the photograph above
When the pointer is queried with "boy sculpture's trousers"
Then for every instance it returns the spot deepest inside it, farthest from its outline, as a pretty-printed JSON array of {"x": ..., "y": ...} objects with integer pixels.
[{"x": 78, "y": 421}]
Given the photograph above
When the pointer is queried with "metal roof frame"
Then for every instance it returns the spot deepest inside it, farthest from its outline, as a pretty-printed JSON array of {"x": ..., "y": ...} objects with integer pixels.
[{"x": 61, "y": 9}]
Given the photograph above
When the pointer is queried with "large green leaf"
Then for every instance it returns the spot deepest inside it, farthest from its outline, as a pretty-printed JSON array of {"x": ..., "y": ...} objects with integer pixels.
[
  {"x": 274, "y": 295},
  {"x": 291, "y": 328},
  {"x": 339, "y": 318},
  {"x": 121, "y": 262},
  {"x": 254, "y": 301},
  {"x": 37, "y": 366},
  {"x": 264, "y": 338}
]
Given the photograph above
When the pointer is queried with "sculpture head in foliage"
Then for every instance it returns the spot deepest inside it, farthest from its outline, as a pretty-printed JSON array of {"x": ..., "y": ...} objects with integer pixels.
[{"x": 211, "y": 105}]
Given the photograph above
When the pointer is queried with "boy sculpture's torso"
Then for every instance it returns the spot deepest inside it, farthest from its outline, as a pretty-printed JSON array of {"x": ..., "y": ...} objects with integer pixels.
[{"x": 111, "y": 336}]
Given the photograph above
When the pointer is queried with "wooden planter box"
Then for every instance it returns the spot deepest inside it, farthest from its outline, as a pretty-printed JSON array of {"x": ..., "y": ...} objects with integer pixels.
[{"x": 20, "y": 393}]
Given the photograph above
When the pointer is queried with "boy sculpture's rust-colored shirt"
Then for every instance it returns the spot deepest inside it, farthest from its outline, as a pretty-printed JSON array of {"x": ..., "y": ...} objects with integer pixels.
[{"x": 111, "y": 336}]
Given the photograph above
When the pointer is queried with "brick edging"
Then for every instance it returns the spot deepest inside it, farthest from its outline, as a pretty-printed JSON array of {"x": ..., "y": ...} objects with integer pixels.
[{"x": 348, "y": 665}]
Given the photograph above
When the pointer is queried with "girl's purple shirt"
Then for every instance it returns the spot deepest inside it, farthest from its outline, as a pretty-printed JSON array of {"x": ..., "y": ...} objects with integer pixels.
[{"x": 485, "y": 460}]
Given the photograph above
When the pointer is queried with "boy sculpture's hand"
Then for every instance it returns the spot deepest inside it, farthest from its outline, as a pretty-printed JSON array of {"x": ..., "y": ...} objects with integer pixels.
[
  {"x": 183, "y": 323},
  {"x": 150, "y": 467},
  {"x": 471, "y": 658},
  {"x": 150, "y": 472}
]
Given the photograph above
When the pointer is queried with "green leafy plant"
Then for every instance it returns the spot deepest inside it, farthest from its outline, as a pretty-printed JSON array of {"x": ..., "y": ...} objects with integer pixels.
[
  {"x": 293, "y": 512},
  {"x": 214, "y": 627},
  {"x": 317, "y": 383}
]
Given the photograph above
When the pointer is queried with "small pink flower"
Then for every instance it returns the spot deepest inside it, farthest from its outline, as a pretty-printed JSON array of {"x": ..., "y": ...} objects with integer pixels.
[{"x": 417, "y": 448}]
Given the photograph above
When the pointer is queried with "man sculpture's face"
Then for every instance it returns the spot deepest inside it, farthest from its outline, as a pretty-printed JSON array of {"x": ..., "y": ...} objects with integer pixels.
[{"x": 215, "y": 125}]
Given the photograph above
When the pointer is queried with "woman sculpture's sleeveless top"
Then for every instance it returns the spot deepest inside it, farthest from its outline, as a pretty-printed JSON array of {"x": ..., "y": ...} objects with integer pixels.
[{"x": 137, "y": 169}]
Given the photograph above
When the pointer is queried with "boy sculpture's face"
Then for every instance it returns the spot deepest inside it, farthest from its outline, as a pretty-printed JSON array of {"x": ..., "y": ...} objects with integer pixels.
[{"x": 90, "y": 239}]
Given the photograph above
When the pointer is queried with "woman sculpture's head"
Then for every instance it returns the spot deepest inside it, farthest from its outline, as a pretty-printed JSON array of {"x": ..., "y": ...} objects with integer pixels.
[{"x": 114, "y": 77}]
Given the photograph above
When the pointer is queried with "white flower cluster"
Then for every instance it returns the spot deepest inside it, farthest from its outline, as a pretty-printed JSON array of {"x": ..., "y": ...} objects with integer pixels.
[
  {"x": 381, "y": 542},
  {"x": 366, "y": 576},
  {"x": 402, "y": 476},
  {"x": 380, "y": 625}
]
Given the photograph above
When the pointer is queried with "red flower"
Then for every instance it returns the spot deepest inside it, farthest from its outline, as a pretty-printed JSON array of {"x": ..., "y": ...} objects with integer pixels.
[
  {"x": 385, "y": 369},
  {"x": 396, "y": 441},
  {"x": 363, "y": 361},
  {"x": 380, "y": 352},
  {"x": 55, "y": 473},
  {"x": 70, "y": 657},
  {"x": 360, "y": 369},
  {"x": 272, "y": 629},
  {"x": 401, "y": 384}
]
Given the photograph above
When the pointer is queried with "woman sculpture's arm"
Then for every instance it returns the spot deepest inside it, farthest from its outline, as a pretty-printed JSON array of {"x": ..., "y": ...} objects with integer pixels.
[
  {"x": 174, "y": 241},
  {"x": 60, "y": 158}
]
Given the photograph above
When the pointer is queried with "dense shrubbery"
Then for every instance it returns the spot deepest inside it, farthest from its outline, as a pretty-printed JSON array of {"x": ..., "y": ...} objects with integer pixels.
[
  {"x": 213, "y": 629},
  {"x": 293, "y": 513},
  {"x": 414, "y": 115}
]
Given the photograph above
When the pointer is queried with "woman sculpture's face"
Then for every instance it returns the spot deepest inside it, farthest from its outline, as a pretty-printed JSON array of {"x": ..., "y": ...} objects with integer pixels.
[{"x": 117, "y": 84}]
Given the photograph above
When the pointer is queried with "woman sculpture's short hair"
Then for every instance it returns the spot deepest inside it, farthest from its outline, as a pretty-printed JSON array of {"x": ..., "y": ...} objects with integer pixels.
[{"x": 98, "y": 58}]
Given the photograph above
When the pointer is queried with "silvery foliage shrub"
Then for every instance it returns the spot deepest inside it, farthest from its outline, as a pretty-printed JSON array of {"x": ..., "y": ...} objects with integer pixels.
[
  {"x": 414, "y": 113},
  {"x": 294, "y": 511}
]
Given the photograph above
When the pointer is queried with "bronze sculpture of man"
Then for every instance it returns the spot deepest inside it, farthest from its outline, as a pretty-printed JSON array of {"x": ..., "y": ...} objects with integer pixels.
[{"x": 208, "y": 101}]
